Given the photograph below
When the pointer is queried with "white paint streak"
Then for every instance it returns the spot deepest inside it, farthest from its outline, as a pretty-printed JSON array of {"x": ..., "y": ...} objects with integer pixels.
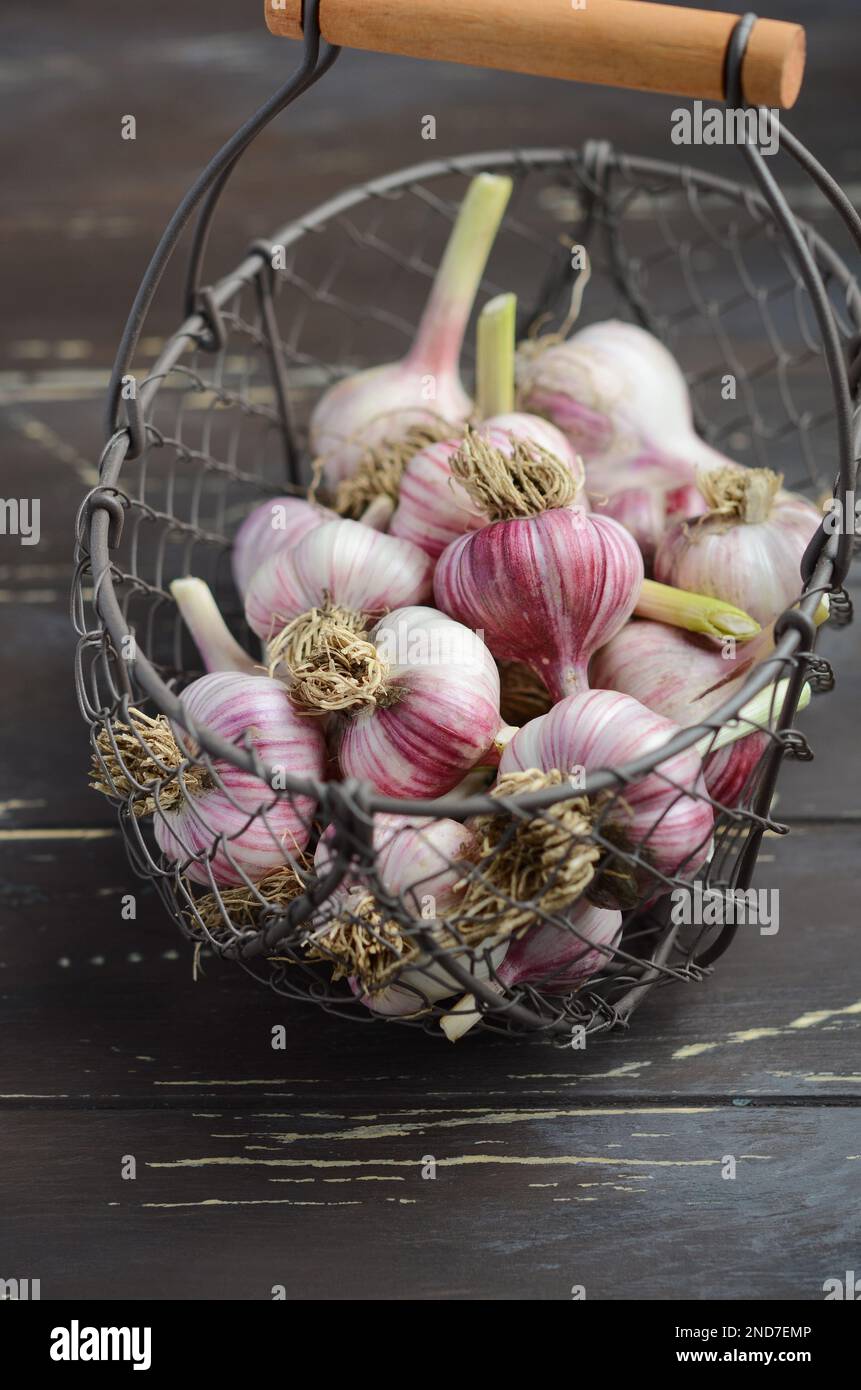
[
  {"x": 248, "y": 1202},
  {"x": 462, "y": 1160},
  {"x": 804, "y": 1021}
]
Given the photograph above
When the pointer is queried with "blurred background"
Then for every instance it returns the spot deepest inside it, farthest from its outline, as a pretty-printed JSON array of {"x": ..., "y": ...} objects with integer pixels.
[{"x": 83, "y": 207}]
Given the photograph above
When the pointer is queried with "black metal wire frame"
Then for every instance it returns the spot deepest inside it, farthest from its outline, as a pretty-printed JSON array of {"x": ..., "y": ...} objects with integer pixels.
[{"x": 349, "y": 806}]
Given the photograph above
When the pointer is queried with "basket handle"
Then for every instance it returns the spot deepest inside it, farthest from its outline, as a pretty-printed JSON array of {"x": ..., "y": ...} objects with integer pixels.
[{"x": 616, "y": 43}]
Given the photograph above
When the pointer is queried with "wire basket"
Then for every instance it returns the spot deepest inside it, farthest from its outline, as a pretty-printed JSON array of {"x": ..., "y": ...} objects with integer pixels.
[{"x": 732, "y": 283}]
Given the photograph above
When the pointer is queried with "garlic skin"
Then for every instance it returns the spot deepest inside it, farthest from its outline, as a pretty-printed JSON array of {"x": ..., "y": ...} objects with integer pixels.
[
  {"x": 222, "y": 820},
  {"x": 748, "y": 554},
  {"x": 670, "y": 828},
  {"x": 675, "y": 674},
  {"x": 275, "y": 523},
  {"x": 342, "y": 562},
  {"x": 383, "y": 404},
  {"x": 622, "y": 401},
  {"x": 547, "y": 590},
  {"x": 440, "y": 716},
  {"x": 555, "y": 960},
  {"x": 434, "y": 508}
]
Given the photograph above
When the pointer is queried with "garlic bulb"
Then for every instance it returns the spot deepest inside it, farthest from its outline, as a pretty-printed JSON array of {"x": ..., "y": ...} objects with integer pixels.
[
  {"x": 420, "y": 863},
  {"x": 664, "y": 816},
  {"x": 685, "y": 678},
  {"x": 648, "y": 511},
  {"x": 433, "y": 712},
  {"x": 747, "y": 549},
  {"x": 620, "y": 398},
  {"x": 434, "y": 508},
  {"x": 225, "y": 826},
  {"x": 545, "y": 589},
  {"x": 341, "y": 564},
  {"x": 382, "y": 405},
  {"x": 276, "y": 523},
  {"x": 556, "y": 959},
  {"x": 553, "y": 960}
]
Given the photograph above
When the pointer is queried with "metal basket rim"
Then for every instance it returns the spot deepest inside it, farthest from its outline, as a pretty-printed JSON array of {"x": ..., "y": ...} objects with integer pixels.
[{"x": 190, "y": 332}]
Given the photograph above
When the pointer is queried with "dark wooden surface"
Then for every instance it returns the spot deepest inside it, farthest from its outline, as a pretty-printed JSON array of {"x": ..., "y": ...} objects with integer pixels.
[{"x": 303, "y": 1167}]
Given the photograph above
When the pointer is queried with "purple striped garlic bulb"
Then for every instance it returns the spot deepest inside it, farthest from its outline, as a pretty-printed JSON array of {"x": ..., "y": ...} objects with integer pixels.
[
  {"x": 649, "y": 511},
  {"x": 684, "y": 678},
  {"x": 275, "y": 524},
  {"x": 381, "y": 406},
  {"x": 664, "y": 817},
  {"x": 552, "y": 959},
  {"x": 220, "y": 825},
  {"x": 559, "y": 959},
  {"x": 434, "y": 712},
  {"x": 622, "y": 401},
  {"x": 419, "y": 862},
  {"x": 547, "y": 589},
  {"x": 342, "y": 564},
  {"x": 748, "y": 546},
  {"x": 434, "y": 508}
]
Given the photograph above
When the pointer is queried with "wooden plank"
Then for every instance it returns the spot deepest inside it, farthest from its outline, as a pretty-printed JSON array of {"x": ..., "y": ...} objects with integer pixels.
[
  {"x": 632, "y": 1202},
  {"x": 101, "y": 1009}
]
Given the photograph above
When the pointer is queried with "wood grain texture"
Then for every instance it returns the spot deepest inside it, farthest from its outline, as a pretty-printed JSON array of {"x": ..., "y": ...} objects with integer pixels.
[
  {"x": 647, "y": 47},
  {"x": 328, "y": 1203}
]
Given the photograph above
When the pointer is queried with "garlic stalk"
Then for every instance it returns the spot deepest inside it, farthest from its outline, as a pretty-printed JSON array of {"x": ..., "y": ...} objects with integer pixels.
[
  {"x": 223, "y": 826},
  {"x": 433, "y": 506},
  {"x": 495, "y": 335},
  {"x": 760, "y": 712},
  {"x": 747, "y": 548},
  {"x": 380, "y": 406},
  {"x": 219, "y": 649},
  {"x": 710, "y": 617}
]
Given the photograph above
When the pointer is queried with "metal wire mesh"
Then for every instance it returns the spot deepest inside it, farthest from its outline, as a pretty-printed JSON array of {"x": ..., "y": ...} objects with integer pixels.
[{"x": 422, "y": 905}]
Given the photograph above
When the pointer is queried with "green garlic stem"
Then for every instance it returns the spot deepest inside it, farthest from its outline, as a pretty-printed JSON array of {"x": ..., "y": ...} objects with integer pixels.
[
  {"x": 446, "y": 314},
  {"x": 219, "y": 649},
  {"x": 757, "y": 715},
  {"x": 711, "y": 617},
  {"x": 495, "y": 345}
]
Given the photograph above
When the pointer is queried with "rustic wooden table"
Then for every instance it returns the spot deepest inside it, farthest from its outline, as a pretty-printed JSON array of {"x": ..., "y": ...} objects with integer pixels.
[{"x": 303, "y": 1167}]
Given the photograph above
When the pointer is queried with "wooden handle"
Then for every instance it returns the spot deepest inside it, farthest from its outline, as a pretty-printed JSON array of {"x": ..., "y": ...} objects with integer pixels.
[{"x": 617, "y": 43}]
